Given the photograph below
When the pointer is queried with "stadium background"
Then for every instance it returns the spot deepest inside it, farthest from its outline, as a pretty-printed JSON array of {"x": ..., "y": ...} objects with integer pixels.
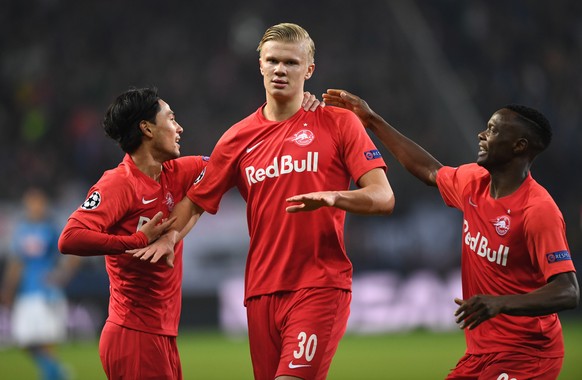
[{"x": 435, "y": 69}]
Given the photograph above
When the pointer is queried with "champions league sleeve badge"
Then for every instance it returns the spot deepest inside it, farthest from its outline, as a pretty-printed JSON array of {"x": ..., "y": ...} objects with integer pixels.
[{"x": 92, "y": 202}]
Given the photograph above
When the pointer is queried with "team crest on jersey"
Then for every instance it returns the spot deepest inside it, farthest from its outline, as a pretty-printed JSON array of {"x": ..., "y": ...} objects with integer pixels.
[
  {"x": 170, "y": 201},
  {"x": 302, "y": 138},
  {"x": 200, "y": 176},
  {"x": 501, "y": 225},
  {"x": 92, "y": 202}
]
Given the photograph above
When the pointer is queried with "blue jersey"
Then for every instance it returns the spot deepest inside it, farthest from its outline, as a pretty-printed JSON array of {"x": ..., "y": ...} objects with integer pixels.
[{"x": 34, "y": 244}]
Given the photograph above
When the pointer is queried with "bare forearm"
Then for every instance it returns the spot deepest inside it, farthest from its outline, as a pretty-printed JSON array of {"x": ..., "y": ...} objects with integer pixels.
[
  {"x": 187, "y": 214},
  {"x": 560, "y": 294},
  {"x": 370, "y": 200},
  {"x": 412, "y": 156}
]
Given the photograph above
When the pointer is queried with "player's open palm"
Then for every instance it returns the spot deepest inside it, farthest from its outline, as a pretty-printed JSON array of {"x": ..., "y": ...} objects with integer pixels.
[{"x": 312, "y": 201}]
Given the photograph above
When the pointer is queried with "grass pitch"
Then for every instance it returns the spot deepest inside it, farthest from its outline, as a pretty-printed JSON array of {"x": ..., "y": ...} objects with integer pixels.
[{"x": 212, "y": 355}]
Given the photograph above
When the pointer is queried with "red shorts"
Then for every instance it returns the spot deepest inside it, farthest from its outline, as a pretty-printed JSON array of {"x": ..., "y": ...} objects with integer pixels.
[
  {"x": 129, "y": 354},
  {"x": 296, "y": 333},
  {"x": 506, "y": 366}
]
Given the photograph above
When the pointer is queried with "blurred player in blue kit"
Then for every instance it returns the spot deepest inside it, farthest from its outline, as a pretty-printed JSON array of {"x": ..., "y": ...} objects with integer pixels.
[{"x": 33, "y": 283}]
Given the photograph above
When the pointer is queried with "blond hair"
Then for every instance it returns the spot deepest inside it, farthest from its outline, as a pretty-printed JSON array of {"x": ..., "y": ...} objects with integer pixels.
[{"x": 288, "y": 32}]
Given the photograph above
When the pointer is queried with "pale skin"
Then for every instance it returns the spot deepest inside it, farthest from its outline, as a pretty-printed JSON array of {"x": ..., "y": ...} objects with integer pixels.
[{"x": 506, "y": 150}]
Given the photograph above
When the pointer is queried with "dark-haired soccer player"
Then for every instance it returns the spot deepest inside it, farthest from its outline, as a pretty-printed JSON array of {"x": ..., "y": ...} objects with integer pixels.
[
  {"x": 517, "y": 272},
  {"x": 121, "y": 212},
  {"x": 298, "y": 276}
]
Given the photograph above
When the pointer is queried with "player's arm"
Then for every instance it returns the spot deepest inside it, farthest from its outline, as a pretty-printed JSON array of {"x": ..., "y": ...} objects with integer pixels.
[
  {"x": 560, "y": 293},
  {"x": 375, "y": 196},
  {"x": 185, "y": 216},
  {"x": 77, "y": 239},
  {"x": 412, "y": 156}
]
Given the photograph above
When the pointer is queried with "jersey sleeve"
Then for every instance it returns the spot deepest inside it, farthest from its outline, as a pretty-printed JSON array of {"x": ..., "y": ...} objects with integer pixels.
[
  {"x": 452, "y": 181},
  {"x": 188, "y": 169},
  {"x": 216, "y": 178},
  {"x": 77, "y": 239},
  {"x": 87, "y": 230},
  {"x": 359, "y": 151},
  {"x": 546, "y": 239}
]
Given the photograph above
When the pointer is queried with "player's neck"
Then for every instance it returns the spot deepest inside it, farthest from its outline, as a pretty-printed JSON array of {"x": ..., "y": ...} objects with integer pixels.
[
  {"x": 506, "y": 182},
  {"x": 281, "y": 109},
  {"x": 147, "y": 165}
]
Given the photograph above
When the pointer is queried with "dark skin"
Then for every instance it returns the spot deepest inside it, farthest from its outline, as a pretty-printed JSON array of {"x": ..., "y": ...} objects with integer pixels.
[{"x": 506, "y": 149}]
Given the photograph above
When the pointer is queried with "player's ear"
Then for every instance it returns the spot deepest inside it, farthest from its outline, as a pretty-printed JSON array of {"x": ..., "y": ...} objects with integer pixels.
[
  {"x": 520, "y": 145},
  {"x": 145, "y": 128},
  {"x": 310, "y": 70},
  {"x": 261, "y": 67}
]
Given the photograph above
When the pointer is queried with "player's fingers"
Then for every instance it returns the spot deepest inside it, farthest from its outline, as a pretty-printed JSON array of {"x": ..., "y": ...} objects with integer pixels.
[
  {"x": 168, "y": 223},
  {"x": 170, "y": 261},
  {"x": 137, "y": 253},
  {"x": 145, "y": 255},
  {"x": 334, "y": 91},
  {"x": 295, "y": 208},
  {"x": 157, "y": 218}
]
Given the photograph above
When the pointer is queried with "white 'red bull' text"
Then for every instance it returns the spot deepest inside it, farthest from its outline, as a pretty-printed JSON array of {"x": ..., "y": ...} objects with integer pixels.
[
  {"x": 284, "y": 165},
  {"x": 480, "y": 245}
]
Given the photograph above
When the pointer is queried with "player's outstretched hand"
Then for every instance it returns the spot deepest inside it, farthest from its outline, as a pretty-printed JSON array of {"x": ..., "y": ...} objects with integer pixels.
[
  {"x": 163, "y": 247},
  {"x": 476, "y": 310},
  {"x": 156, "y": 226},
  {"x": 310, "y": 102},
  {"x": 312, "y": 201},
  {"x": 344, "y": 99}
]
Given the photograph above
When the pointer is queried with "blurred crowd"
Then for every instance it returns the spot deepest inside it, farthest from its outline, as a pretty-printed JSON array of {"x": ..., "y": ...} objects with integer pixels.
[{"x": 62, "y": 62}]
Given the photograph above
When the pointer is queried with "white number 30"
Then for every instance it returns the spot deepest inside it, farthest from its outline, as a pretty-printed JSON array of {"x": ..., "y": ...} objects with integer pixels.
[{"x": 306, "y": 346}]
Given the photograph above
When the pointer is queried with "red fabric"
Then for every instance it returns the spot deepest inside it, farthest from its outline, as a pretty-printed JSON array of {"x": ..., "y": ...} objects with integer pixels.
[
  {"x": 270, "y": 161},
  {"x": 296, "y": 333},
  {"x": 128, "y": 354},
  {"x": 506, "y": 366},
  {"x": 511, "y": 245},
  {"x": 143, "y": 296}
]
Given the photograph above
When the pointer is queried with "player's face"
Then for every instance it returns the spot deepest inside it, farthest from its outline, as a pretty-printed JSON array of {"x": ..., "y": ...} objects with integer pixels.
[
  {"x": 497, "y": 143},
  {"x": 166, "y": 134},
  {"x": 285, "y": 66}
]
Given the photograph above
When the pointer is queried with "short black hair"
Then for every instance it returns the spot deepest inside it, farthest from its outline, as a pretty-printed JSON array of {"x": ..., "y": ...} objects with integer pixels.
[
  {"x": 536, "y": 121},
  {"x": 122, "y": 118}
]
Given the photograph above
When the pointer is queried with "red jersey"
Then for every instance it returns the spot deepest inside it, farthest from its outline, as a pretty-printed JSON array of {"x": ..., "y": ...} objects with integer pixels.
[
  {"x": 511, "y": 245},
  {"x": 143, "y": 296},
  {"x": 269, "y": 161}
]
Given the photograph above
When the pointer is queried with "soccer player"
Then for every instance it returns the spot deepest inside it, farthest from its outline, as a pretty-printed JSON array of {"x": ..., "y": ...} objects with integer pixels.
[
  {"x": 517, "y": 272},
  {"x": 33, "y": 284},
  {"x": 121, "y": 212},
  {"x": 283, "y": 161}
]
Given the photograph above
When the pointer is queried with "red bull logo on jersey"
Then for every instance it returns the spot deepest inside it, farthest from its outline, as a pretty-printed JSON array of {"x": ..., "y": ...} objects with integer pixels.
[
  {"x": 283, "y": 165},
  {"x": 302, "y": 138},
  {"x": 480, "y": 245},
  {"x": 501, "y": 225}
]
